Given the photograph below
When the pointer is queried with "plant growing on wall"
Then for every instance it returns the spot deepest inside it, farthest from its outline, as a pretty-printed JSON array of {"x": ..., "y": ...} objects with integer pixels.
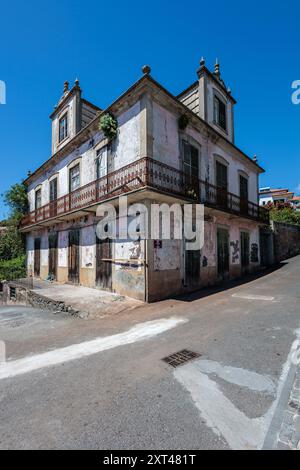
[
  {"x": 108, "y": 125},
  {"x": 183, "y": 122}
]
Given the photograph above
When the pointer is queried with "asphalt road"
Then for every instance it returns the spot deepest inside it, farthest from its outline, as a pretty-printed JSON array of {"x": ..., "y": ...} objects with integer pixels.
[{"x": 102, "y": 384}]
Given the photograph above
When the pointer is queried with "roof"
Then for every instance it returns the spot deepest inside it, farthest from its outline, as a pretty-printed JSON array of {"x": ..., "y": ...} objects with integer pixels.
[{"x": 125, "y": 95}]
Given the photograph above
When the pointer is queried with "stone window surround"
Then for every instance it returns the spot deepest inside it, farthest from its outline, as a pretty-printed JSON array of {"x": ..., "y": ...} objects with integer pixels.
[
  {"x": 220, "y": 159},
  {"x": 190, "y": 140},
  {"x": 64, "y": 112},
  {"x": 221, "y": 97},
  {"x": 51, "y": 178},
  {"x": 39, "y": 187},
  {"x": 71, "y": 165}
]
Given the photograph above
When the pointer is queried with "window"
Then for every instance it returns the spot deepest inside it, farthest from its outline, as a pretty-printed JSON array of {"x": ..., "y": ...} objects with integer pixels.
[
  {"x": 190, "y": 159},
  {"x": 53, "y": 189},
  {"x": 63, "y": 127},
  {"x": 220, "y": 112},
  {"x": 74, "y": 177},
  {"x": 101, "y": 164},
  {"x": 38, "y": 198}
]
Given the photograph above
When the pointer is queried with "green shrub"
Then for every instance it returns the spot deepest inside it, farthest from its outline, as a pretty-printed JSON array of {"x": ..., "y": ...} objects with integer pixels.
[
  {"x": 109, "y": 125},
  {"x": 13, "y": 269}
]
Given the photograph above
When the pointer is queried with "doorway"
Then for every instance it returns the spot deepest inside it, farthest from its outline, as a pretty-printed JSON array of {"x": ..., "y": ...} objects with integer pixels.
[
  {"x": 222, "y": 185},
  {"x": 192, "y": 267},
  {"x": 245, "y": 252},
  {"x": 104, "y": 263},
  {"x": 223, "y": 253},
  {"x": 37, "y": 257},
  {"x": 52, "y": 261},
  {"x": 74, "y": 237},
  {"x": 53, "y": 197}
]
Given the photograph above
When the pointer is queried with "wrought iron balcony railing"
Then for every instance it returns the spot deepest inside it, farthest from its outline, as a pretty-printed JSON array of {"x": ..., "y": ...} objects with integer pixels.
[{"x": 144, "y": 173}]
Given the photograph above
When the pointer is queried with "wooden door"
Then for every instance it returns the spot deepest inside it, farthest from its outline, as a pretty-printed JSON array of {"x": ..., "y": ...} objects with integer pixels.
[
  {"x": 243, "y": 195},
  {"x": 192, "y": 267},
  {"x": 53, "y": 197},
  {"x": 104, "y": 263},
  {"x": 37, "y": 257},
  {"x": 245, "y": 252},
  {"x": 222, "y": 184},
  {"x": 53, "y": 238},
  {"x": 74, "y": 237},
  {"x": 223, "y": 253}
]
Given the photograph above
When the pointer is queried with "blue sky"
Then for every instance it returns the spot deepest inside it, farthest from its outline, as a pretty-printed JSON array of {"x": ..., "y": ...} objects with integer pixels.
[{"x": 105, "y": 44}]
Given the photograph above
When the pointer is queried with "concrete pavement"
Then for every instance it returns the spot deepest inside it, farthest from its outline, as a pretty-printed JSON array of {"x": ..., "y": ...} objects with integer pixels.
[{"x": 233, "y": 396}]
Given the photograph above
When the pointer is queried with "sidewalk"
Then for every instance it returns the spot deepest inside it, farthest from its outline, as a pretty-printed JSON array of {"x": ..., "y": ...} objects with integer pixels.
[
  {"x": 289, "y": 435},
  {"x": 86, "y": 302}
]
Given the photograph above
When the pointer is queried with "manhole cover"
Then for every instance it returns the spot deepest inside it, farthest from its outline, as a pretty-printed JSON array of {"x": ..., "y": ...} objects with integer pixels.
[{"x": 180, "y": 358}]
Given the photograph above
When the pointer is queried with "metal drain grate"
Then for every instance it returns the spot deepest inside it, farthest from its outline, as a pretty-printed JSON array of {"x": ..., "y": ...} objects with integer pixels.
[{"x": 180, "y": 358}]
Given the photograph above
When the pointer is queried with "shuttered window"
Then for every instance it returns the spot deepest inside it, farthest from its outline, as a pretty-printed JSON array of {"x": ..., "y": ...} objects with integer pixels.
[
  {"x": 220, "y": 113},
  {"x": 190, "y": 159}
]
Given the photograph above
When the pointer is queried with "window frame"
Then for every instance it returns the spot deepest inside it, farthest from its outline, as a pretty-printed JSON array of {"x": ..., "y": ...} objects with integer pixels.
[
  {"x": 64, "y": 117},
  {"x": 71, "y": 169},
  {"x": 217, "y": 101},
  {"x": 37, "y": 192}
]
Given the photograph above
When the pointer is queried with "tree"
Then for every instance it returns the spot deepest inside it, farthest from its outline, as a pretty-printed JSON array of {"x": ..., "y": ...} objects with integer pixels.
[
  {"x": 16, "y": 199},
  {"x": 12, "y": 243},
  {"x": 283, "y": 212}
]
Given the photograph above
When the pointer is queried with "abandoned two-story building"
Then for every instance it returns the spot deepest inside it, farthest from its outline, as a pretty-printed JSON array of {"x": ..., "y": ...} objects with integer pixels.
[{"x": 166, "y": 149}]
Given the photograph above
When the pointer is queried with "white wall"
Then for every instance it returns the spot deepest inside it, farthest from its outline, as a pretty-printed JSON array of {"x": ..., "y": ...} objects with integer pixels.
[{"x": 125, "y": 149}]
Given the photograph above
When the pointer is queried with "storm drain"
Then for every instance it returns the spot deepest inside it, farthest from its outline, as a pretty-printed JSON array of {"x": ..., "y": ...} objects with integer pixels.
[{"x": 180, "y": 358}]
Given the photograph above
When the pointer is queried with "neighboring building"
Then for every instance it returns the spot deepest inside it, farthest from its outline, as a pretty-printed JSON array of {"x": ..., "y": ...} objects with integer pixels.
[
  {"x": 168, "y": 149},
  {"x": 274, "y": 196},
  {"x": 295, "y": 202}
]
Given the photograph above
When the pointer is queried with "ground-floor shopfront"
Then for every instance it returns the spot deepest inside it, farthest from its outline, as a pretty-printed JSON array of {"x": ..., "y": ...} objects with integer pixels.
[{"x": 146, "y": 269}]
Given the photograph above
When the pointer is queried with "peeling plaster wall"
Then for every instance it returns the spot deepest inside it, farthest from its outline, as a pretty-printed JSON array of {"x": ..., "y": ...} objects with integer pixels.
[
  {"x": 211, "y": 86},
  {"x": 168, "y": 255},
  {"x": 166, "y": 148},
  {"x": 165, "y": 137},
  {"x": 124, "y": 149},
  {"x": 88, "y": 247}
]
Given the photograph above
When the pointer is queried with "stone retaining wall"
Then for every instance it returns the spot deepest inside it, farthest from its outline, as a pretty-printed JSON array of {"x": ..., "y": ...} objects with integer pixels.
[{"x": 286, "y": 240}]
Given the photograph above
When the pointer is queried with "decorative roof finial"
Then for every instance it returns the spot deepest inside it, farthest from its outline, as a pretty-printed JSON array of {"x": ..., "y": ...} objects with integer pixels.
[
  {"x": 202, "y": 61},
  {"x": 255, "y": 159},
  {"x": 229, "y": 90},
  {"x": 77, "y": 82},
  {"x": 66, "y": 86},
  {"x": 28, "y": 173},
  {"x": 217, "y": 68},
  {"x": 146, "y": 69}
]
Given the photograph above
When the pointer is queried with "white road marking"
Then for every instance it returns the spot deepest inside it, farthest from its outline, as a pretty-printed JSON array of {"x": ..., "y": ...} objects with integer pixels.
[
  {"x": 252, "y": 297},
  {"x": 137, "y": 333},
  {"x": 220, "y": 413},
  {"x": 238, "y": 376}
]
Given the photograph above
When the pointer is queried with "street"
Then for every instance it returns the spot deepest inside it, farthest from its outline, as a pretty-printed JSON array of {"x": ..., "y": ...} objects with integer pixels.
[{"x": 70, "y": 383}]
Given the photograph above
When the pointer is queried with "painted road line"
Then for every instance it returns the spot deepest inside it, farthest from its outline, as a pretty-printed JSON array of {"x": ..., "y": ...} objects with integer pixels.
[
  {"x": 221, "y": 415},
  {"x": 238, "y": 376},
  {"x": 252, "y": 297},
  {"x": 139, "y": 332}
]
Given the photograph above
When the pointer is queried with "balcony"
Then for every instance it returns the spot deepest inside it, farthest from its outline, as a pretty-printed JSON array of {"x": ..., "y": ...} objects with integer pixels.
[{"x": 145, "y": 173}]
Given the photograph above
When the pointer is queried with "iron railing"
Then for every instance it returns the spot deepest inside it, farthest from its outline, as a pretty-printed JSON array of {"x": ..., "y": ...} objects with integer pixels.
[{"x": 142, "y": 173}]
